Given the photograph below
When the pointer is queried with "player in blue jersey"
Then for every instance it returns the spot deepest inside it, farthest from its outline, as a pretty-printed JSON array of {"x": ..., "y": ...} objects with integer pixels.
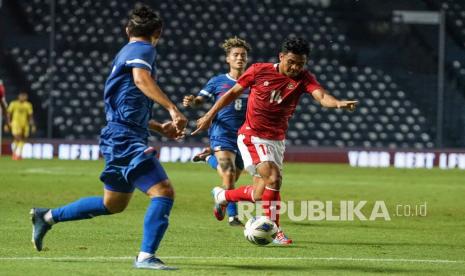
[
  {"x": 223, "y": 131},
  {"x": 130, "y": 91}
]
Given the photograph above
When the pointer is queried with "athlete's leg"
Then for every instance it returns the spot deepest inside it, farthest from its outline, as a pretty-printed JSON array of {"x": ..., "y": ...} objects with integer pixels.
[
  {"x": 23, "y": 137},
  {"x": 238, "y": 173},
  {"x": 156, "y": 217},
  {"x": 212, "y": 161},
  {"x": 226, "y": 168},
  {"x": 16, "y": 145},
  {"x": 203, "y": 155},
  {"x": 269, "y": 192},
  {"x": 271, "y": 178},
  {"x": 88, "y": 207},
  {"x": 229, "y": 174},
  {"x": 85, "y": 208},
  {"x": 156, "y": 185},
  {"x": 116, "y": 202}
]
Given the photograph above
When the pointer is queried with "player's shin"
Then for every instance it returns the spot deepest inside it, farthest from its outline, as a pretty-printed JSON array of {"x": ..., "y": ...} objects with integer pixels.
[
  {"x": 84, "y": 208},
  {"x": 19, "y": 148},
  {"x": 155, "y": 225},
  {"x": 243, "y": 193},
  {"x": 271, "y": 200}
]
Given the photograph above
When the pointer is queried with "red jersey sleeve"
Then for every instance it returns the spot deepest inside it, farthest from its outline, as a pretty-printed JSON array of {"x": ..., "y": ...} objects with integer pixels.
[
  {"x": 248, "y": 78},
  {"x": 310, "y": 82},
  {"x": 2, "y": 91}
]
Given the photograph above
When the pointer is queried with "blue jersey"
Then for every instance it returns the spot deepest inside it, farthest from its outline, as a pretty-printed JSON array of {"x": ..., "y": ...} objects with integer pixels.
[
  {"x": 230, "y": 118},
  {"x": 129, "y": 162},
  {"x": 125, "y": 104}
]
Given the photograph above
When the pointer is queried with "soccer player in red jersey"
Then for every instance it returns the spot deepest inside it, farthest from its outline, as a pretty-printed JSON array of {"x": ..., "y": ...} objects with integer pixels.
[{"x": 275, "y": 92}]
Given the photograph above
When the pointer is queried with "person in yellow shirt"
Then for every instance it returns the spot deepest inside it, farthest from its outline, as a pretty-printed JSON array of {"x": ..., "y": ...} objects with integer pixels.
[{"x": 22, "y": 123}]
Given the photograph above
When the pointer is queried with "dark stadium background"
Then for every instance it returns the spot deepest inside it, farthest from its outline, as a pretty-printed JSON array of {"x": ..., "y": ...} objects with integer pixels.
[{"x": 61, "y": 52}]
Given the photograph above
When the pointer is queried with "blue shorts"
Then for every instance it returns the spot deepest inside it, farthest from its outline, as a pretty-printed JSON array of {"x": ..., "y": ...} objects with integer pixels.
[
  {"x": 129, "y": 162},
  {"x": 219, "y": 143}
]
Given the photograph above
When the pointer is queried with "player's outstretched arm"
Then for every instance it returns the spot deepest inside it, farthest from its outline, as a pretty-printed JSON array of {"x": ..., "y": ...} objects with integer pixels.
[
  {"x": 144, "y": 81},
  {"x": 192, "y": 101},
  {"x": 204, "y": 122},
  {"x": 326, "y": 100}
]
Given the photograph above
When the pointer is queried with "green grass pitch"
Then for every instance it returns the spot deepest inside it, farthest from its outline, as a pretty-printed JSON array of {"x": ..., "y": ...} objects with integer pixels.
[{"x": 198, "y": 244}]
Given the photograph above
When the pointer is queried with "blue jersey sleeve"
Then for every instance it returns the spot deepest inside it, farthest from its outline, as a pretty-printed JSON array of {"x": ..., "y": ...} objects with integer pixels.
[
  {"x": 209, "y": 89},
  {"x": 141, "y": 57}
]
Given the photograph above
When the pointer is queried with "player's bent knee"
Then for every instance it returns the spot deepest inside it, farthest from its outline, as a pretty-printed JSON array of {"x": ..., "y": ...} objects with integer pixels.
[
  {"x": 116, "y": 202},
  {"x": 163, "y": 188},
  {"x": 115, "y": 208},
  {"x": 274, "y": 182},
  {"x": 257, "y": 196},
  {"x": 258, "y": 193},
  {"x": 227, "y": 166}
]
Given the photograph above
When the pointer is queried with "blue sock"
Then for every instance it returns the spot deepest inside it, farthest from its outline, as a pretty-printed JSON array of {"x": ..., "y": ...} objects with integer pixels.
[
  {"x": 212, "y": 162},
  {"x": 232, "y": 209},
  {"x": 84, "y": 208},
  {"x": 155, "y": 223}
]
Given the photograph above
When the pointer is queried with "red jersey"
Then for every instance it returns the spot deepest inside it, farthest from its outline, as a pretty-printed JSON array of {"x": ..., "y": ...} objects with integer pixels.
[
  {"x": 2, "y": 91},
  {"x": 273, "y": 99}
]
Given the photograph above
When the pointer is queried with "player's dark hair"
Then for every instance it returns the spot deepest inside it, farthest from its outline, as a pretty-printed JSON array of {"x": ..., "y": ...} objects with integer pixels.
[
  {"x": 235, "y": 42},
  {"x": 295, "y": 45},
  {"x": 143, "y": 22}
]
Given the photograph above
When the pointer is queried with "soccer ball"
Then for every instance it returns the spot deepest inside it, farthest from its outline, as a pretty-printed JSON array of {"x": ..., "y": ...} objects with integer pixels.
[{"x": 260, "y": 230}]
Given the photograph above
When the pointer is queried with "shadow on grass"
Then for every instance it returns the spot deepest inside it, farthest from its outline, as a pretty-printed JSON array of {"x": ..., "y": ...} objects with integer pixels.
[
  {"x": 187, "y": 266},
  {"x": 303, "y": 268},
  {"x": 377, "y": 243},
  {"x": 349, "y": 225}
]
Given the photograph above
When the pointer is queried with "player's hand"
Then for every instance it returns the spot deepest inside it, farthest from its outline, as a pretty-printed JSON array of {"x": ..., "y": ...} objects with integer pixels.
[
  {"x": 6, "y": 128},
  {"x": 188, "y": 100},
  {"x": 203, "y": 123},
  {"x": 169, "y": 130},
  {"x": 179, "y": 120},
  {"x": 349, "y": 105},
  {"x": 33, "y": 129}
]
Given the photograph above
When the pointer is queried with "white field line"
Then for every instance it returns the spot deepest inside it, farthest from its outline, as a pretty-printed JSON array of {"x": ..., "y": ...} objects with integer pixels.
[{"x": 330, "y": 259}]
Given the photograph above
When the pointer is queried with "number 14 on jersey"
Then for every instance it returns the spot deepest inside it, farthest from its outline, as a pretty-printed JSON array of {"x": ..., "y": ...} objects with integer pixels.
[{"x": 276, "y": 96}]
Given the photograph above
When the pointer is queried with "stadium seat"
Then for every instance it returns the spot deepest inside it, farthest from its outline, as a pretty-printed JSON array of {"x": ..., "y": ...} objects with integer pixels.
[{"x": 189, "y": 54}]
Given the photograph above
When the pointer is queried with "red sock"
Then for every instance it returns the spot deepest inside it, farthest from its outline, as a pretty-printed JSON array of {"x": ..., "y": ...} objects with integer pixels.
[
  {"x": 243, "y": 193},
  {"x": 278, "y": 207},
  {"x": 271, "y": 204}
]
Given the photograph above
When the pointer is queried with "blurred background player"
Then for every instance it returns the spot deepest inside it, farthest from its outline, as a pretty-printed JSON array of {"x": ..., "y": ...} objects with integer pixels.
[
  {"x": 4, "y": 117},
  {"x": 3, "y": 105},
  {"x": 274, "y": 95},
  {"x": 227, "y": 159},
  {"x": 130, "y": 92},
  {"x": 22, "y": 123}
]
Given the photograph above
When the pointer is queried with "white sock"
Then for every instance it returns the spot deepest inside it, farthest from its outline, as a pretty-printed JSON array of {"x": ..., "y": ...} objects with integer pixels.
[
  {"x": 49, "y": 218},
  {"x": 143, "y": 256}
]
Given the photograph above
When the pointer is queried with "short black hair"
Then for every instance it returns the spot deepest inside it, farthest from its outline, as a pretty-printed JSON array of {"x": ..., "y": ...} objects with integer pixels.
[
  {"x": 143, "y": 22},
  {"x": 295, "y": 45}
]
